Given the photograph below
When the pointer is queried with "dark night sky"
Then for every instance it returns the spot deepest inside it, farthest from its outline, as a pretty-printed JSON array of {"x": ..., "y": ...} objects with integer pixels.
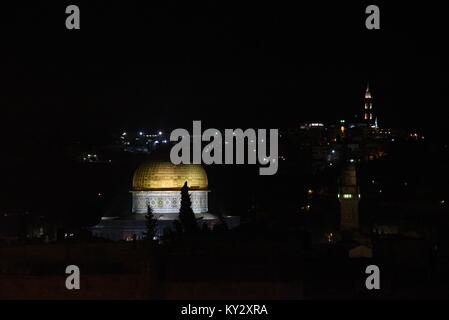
[{"x": 138, "y": 66}]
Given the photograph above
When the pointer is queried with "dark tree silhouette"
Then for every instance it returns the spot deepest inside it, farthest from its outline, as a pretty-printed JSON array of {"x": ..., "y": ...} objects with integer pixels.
[
  {"x": 177, "y": 226},
  {"x": 151, "y": 224},
  {"x": 186, "y": 214}
]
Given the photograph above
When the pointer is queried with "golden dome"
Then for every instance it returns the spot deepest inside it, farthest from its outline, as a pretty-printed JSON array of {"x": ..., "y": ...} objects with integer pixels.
[{"x": 158, "y": 175}]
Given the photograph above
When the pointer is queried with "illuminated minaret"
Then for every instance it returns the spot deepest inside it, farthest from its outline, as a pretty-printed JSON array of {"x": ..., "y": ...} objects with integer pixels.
[
  {"x": 349, "y": 196},
  {"x": 368, "y": 115}
]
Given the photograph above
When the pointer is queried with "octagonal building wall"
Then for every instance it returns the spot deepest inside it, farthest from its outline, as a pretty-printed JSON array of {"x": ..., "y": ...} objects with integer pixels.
[{"x": 167, "y": 201}]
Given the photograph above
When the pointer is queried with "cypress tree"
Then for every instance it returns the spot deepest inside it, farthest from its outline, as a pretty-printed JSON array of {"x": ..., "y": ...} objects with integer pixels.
[
  {"x": 151, "y": 224},
  {"x": 186, "y": 214}
]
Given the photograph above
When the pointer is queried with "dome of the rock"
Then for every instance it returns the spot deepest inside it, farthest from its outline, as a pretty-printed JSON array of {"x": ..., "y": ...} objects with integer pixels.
[{"x": 157, "y": 184}]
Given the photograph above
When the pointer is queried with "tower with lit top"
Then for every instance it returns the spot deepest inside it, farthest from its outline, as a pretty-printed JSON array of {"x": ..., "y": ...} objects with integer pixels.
[{"x": 368, "y": 113}]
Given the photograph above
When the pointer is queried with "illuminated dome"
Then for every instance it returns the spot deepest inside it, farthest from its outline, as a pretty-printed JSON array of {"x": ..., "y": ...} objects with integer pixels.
[
  {"x": 157, "y": 184},
  {"x": 160, "y": 176}
]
